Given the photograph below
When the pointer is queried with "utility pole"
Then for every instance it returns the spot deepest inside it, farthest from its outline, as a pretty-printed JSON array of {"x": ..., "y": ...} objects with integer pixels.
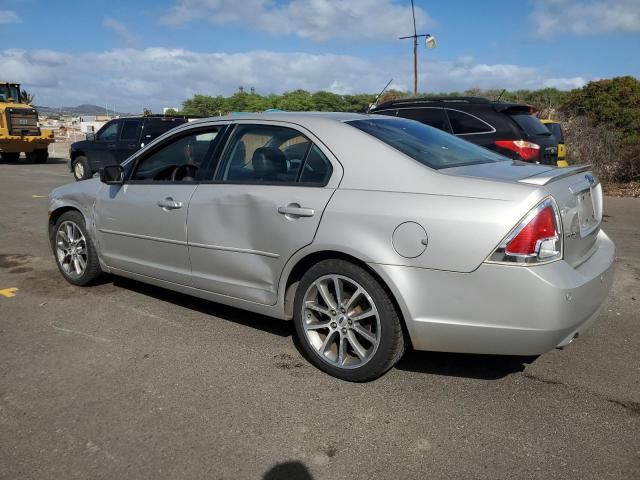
[{"x": 430, "y": 42}]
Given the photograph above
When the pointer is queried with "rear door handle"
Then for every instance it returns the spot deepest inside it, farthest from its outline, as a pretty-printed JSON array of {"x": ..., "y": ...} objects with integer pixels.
[
  {"x": 169, "y": 204},
  {"x": 294, "y": 210}
]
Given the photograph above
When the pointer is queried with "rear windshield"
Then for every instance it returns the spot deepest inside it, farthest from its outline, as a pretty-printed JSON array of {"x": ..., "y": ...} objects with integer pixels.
[
  {"x": 556, "y": 131},
  {"x": 530, "y": 124},
  {"x": 429, "y": 146}
]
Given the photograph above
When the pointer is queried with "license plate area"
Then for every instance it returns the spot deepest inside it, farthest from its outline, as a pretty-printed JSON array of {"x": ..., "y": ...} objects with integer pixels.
[{"x": 587, "y": 217}]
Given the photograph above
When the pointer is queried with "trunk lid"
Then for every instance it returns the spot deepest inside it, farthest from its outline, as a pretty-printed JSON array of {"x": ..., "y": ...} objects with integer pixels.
[{"x": 576, "y": 190}]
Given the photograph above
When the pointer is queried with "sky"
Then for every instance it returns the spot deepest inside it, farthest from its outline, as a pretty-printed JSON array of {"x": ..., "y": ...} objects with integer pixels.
[{"x": 129, "y": 55}]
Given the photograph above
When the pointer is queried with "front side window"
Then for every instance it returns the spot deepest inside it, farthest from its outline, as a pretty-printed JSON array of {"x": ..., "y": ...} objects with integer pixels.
[
  {"x": 109, "y": 133},
  {"x": 429, "y": 146},
  {"x": 464, "y": 124},
  {"x": 264, "y": 154},
  {"x": 179, "y": 160}
]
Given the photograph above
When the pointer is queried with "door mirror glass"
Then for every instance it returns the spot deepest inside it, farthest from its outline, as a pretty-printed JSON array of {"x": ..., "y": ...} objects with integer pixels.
[{"x": 112, "y": 175}]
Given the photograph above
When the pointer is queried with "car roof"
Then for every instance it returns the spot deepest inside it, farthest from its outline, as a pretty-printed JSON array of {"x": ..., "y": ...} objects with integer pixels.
[
  {"x": 453, "y": 102},
  {"x": 301, "y": 118}
]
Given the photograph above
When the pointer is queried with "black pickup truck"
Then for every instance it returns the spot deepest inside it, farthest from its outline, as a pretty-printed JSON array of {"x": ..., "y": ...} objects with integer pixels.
[{"x": 116, "y": 141}]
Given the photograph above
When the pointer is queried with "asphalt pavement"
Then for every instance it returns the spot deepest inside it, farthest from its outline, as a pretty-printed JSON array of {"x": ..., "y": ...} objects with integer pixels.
[{"x": 124, "y": 380}]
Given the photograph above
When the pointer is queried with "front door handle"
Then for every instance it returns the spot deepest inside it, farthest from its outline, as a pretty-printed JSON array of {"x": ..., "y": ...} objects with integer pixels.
[
  {"x": 169, "y": 204},
  {"x": 293, "y": 210}
]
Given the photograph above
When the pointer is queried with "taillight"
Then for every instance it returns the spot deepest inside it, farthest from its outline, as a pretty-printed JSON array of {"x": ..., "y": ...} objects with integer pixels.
[
  {"x": 525, "y": 150},
  {"x": 536, "y": 239}
]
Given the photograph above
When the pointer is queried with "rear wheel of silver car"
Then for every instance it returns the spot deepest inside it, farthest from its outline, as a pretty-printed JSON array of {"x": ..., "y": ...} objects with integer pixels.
[
  {"x": 81, "y": 169},
  {"x": 73, "y": 249},
  {"x": 346, "y": 322}
]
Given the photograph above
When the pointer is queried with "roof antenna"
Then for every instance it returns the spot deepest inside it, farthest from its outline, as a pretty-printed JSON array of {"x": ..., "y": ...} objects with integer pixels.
[
  {"x": 501, "y": 93},
  {"x": 371, "y": 105}
]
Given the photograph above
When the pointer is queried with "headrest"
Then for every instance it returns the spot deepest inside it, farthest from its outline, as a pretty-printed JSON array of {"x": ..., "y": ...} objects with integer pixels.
[{"x": 268, "y": 161}]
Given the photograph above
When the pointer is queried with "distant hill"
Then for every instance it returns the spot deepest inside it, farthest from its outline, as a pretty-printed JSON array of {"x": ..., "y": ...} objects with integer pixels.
[{"x": 85, "y": 109}]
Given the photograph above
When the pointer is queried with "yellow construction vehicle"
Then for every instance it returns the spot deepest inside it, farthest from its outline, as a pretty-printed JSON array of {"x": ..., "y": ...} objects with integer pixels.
[{"x": 19, "y": 130}]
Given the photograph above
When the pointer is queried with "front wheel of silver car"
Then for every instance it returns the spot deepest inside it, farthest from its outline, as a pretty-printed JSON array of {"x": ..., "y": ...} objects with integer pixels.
[
  {"x": 346, "y": 323},
  {"x": 73, "y": 249}
]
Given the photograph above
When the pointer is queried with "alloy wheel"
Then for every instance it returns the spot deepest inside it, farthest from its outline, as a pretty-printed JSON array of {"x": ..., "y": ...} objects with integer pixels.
[
  {"x": 78, "y": 169},
  {"x": 341, "y": 321},
  {"x": 71, "y": 249}
]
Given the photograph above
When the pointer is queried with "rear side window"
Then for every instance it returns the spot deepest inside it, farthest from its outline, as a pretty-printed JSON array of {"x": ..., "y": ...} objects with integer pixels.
[
  {"x": 464, "y": 124},
  {"x": 317, "y": 169},
  {"x": 264, "y": 154},
  {"x": 130, "y": 130},
  {"x": 434, "y": 117},
  {"x": 155, "y": 127},
  {"x": 429, "y": 146},
  {"x": 530, "y": 124}
]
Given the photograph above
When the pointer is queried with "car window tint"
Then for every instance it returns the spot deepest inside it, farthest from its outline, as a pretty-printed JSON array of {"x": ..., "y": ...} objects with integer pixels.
[
  {"x": 109, "y": 131},
  {"x": 530, "y": 124},
  {"x": 317, "y": 169},
  {"x": 264, "y": 154},
  {"x": 154, "y": 127},
  {"x": 434, "y": 117},
  {"x": 130, "y": 130},
  {"x": 463, "y": 123},
  {"x": 429, "y": 146},
  {"x": 178, "y": 160},
  {"x": 556, "y": 131}
]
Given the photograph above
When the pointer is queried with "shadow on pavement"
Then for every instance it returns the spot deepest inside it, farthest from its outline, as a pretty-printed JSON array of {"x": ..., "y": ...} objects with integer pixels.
[
  {"x": 23, "y": 161},
  {"x": 254, "y": 320},
  {"x": 288, "y": 471},
  {"x": 482, "y": 367}
]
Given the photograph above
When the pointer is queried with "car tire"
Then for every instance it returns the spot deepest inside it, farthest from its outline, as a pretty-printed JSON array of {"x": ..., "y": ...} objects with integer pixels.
[
  {"x": 11, "y": 157},
  {"x": 80, "y": 168},
  {"x": 74, "y": 250},
  {"x": 356, "y": 334},
  {"x": 41, "y": 156}
]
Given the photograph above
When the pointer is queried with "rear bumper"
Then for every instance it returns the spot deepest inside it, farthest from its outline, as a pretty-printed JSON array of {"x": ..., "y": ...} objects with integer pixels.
[
  {"x": 499, "y": 309},
  {"x": 15, "y": 144}
]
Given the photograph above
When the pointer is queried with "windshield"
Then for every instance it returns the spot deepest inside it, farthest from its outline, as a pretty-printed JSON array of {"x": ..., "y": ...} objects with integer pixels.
[
  {"x": 429, "y": 146},
  {"x": 9, "y": 92}
]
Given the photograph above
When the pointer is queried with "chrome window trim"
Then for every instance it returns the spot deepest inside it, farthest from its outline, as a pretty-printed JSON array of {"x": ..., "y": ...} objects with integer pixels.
[{"x": 493, "y": 130}]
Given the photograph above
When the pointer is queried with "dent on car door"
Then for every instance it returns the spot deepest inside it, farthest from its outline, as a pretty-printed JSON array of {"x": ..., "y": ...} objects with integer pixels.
[
  {"x": 270, "y": 190},
  {"x": 142, "y": 224}
]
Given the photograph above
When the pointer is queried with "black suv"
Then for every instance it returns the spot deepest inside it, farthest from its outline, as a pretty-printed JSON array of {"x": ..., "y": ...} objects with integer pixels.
[
  {"x": 510, "y": 129},
  {"x": 116, "y": 141}
]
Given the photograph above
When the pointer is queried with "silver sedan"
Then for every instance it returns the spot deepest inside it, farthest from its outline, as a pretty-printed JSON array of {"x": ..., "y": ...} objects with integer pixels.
[{"x": 372, "y": 233}]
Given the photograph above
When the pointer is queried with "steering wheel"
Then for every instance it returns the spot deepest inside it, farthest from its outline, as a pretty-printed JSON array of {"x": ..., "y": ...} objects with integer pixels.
[{"x": 187, "y": 168}]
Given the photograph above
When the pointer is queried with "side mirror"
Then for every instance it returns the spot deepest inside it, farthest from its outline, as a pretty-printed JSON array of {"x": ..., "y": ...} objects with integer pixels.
[
  {"x": 91, "y": 136},
  {"x": 112, "y": 175}
]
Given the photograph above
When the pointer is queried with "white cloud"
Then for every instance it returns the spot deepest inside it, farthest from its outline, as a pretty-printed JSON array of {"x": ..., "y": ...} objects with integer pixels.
[
  {"x": 120, "y": 30},
  {"x": 552, "y": 17},
  {"x": 8, "y": 16},
  {"x": 155, "y": 77},
  {"x": 318, "y": 20}
]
